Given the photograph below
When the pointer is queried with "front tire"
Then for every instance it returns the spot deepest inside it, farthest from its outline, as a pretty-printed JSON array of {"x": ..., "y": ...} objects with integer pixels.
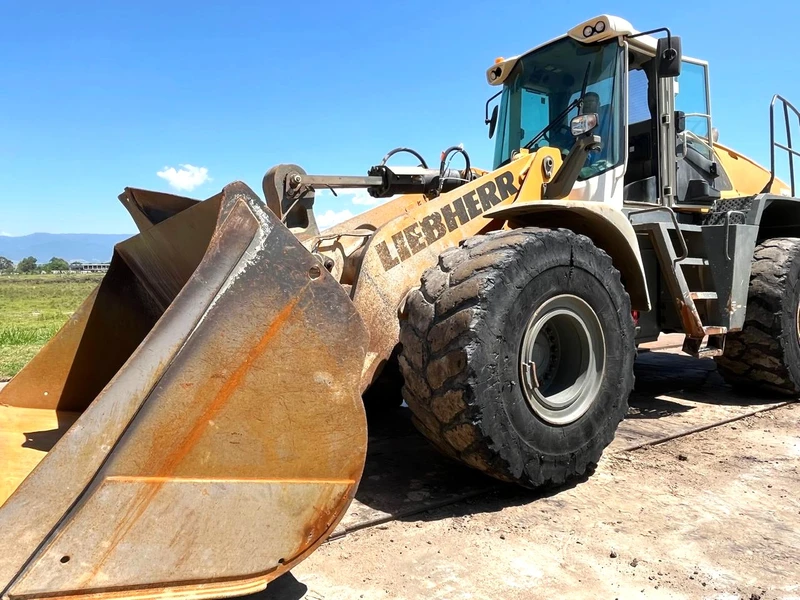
[{"x": 517, "y": 354}]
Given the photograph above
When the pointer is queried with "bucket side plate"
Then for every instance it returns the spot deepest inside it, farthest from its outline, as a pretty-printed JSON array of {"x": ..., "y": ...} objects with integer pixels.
[{"x": 240, "y": 434}]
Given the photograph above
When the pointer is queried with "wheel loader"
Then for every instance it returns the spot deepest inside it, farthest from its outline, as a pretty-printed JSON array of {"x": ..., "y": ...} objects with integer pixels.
[{"x": 197, "y": 427}]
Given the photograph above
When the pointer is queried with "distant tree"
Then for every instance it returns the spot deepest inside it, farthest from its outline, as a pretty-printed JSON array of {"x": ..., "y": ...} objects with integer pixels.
[
  {"x": 57, "y": 264},
  {"x": 5, "y": 264},
  {"x": 27, "y": 265}
]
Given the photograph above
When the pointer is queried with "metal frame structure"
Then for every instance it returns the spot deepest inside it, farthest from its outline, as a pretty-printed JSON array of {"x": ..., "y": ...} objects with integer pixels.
[{"x": 791, "y": 152}]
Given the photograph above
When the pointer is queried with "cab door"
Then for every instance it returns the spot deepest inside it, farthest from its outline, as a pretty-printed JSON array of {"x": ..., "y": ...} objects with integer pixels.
[{"x": 699, "y": 177}]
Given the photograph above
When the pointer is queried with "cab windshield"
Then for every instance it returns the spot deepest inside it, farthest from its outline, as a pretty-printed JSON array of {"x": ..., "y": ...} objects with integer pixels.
[{"x": 542, "y": 86}]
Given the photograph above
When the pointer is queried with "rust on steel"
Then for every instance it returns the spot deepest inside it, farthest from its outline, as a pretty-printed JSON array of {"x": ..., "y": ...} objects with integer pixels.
[
  {"x": 224, "y": 432},
  {"x": 147, "y": 271},
  {"x": 216, "y": 376}
]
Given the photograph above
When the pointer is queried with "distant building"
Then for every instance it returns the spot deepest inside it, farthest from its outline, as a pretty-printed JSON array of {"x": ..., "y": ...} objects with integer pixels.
[{"x": 89, "y": 267}]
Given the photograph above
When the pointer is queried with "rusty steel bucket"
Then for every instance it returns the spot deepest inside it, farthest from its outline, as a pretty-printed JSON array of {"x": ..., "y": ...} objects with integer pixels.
[{"x": 196, "y": 428}]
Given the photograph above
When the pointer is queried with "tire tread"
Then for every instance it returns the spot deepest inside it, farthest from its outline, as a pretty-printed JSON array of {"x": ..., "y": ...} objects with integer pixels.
[
  {"x": 452, "y": 291},
  {"x": 757, "y": 355}
]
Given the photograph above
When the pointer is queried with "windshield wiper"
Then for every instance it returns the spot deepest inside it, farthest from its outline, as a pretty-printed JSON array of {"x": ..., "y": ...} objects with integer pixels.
[
  {"x": 563, "y": 113},
  {"x": 552, "y": 123}
]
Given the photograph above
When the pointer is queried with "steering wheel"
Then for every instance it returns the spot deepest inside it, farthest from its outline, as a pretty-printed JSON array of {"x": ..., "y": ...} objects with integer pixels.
[
  {"x": 548, "y": 136},
  {"x": 560, "y": 130}
]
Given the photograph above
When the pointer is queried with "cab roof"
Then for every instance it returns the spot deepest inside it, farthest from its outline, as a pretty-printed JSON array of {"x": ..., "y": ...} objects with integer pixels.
[{"x": 598, "y": 29}]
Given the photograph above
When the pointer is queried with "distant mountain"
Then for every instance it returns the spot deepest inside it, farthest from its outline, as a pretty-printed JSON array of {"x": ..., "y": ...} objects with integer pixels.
[{"x": 87, "y": 247}]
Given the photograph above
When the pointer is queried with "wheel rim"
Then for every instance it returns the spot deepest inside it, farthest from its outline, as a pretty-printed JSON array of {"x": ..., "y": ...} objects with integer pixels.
[
  {"x": 562, "y": 359},
  {"x": 797, "y": 322}
]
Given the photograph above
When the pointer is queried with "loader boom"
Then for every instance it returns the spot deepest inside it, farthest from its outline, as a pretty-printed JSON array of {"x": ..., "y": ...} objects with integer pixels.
[{"x": 409, "y": 234}]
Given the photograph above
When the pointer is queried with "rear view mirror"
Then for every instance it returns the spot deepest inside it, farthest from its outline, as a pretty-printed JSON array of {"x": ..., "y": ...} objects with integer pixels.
[
  {"x": 583, "y": 124},
  {"x": 669, "y": 56},
  {"x": 680, "y": 121},
  {"x": 492, "y": 121}
]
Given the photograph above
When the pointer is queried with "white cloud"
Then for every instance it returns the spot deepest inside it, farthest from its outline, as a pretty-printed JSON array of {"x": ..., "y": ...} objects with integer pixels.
[
  {"x": 362, "y": 197},
  {"x": 356, "y": 196},
  {"x": 357, "y": 199},
  {"x": 186, "y": 178},
  {"x": 331, "y": 218}
]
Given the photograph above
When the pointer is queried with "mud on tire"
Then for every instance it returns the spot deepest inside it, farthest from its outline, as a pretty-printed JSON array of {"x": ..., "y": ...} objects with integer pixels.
[
  {"x": 461, "y": 337},
  {"x": 765, "y": 354}
]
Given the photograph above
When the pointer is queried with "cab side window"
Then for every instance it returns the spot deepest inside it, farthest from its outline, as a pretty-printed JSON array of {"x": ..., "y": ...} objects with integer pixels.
[
  {"x": 691, "y": 97},
  {"x": 535, "y": 113},
  {"x": 638, "y": 104}
]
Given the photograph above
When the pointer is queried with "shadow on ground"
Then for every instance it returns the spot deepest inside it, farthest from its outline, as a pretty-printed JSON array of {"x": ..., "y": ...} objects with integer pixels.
[
  {"x": 285, "y": 587},
  {"x": 406, "y": 479},
  {"x": 687, "y": 378}
]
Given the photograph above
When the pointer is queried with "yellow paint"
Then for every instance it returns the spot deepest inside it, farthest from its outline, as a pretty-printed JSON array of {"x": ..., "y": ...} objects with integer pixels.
[
  {"x": 532, "y": 177},
  {"x": 267, "y": 480},
  {"x": 747, "y": 177},
  {"x": 379, "y": 292},
  {"x": 17, "y": 457}
]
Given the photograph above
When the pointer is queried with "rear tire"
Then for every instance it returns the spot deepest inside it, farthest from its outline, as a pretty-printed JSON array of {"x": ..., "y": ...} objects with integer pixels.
[
  {"x": 765, "y": 354},
  {"x": 507, "y": 298}
]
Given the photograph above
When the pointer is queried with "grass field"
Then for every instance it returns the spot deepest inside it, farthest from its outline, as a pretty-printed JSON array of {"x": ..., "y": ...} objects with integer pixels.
[{"x": 32, "y": 309}]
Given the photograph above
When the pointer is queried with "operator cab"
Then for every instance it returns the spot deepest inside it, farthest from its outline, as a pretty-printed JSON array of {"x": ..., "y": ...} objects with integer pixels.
[
  {"x": 653, "y": 114},
  {"x": 547, "y": 88},
  {"x": 691, "y": 178}
]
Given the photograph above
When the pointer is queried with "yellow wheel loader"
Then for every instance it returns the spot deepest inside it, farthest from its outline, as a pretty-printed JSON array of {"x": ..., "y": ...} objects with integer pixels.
[{"x": 197, "y": 427}]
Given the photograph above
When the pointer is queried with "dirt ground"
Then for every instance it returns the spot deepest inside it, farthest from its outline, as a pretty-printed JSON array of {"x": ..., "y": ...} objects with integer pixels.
[{"x": 712, "y": 515}]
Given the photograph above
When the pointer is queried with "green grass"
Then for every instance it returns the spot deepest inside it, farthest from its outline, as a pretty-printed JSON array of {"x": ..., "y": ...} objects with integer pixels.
[
  {"x": 24, "y": 336},
  {"x": 32, "y": 309}
]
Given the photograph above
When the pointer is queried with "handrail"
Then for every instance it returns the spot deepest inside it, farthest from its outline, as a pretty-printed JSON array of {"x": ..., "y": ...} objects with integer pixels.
[
  {"x": 699, "y": 138},
  {"x": 728, "y": 230},
  {"x": 708, "y": 141},
  {"x": 773, "y": 144},
  {"x": 684, "y": 248}
]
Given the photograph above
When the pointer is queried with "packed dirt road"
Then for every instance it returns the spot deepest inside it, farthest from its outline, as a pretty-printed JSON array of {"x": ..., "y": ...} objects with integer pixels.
[
  {"x": 714, "y": 514},
  {"x": 694, "y": 499}
]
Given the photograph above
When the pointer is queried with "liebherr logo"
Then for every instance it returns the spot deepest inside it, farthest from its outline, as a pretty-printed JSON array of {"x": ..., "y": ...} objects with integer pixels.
[{"x": 435, "y": 226}]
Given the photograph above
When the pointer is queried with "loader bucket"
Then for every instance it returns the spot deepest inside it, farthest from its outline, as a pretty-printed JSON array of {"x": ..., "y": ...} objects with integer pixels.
[{"x": 196, "y": 428}]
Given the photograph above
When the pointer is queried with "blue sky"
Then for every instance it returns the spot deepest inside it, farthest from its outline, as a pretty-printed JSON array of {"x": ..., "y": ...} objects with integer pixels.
[{"x": 100, "y": 95}]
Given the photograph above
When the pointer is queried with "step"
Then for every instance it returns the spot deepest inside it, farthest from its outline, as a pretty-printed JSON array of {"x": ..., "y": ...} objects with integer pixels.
[
  {"x": 703, "y": 295},
  {"x": 695, "y": 208},
  {"x": 669, "y": 225},
  {"x": 708, "y": 352},
  {"x": 714, "y": 347},
  {"x": 693, "y": 262},
  {"x": 715, "y": 330}
]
